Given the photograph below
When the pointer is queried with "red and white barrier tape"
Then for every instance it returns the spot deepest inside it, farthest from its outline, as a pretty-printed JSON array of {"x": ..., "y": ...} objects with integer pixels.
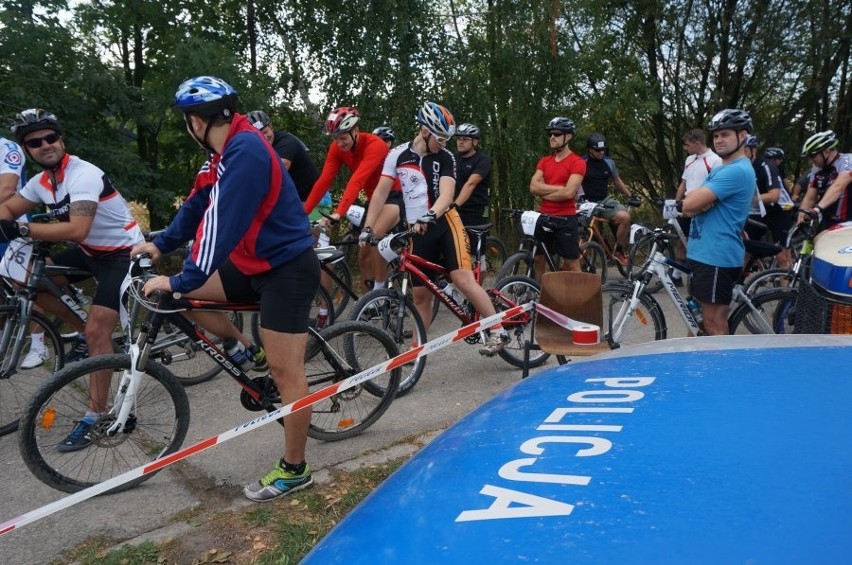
[
  {"x": 367, "y": 374},
  {"x": 581, "y": 333}
]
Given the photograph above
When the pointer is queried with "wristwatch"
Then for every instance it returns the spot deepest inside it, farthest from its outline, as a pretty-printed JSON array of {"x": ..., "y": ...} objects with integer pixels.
[{"x": 24, "y": 229}]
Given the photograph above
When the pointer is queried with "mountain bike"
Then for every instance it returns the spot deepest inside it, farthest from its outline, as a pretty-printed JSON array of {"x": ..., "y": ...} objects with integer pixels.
[
  {"x": 632, "y": 315},
  {"x": 146, "y": 411},
  {"x": 590, "y": 215},
  {"x": 393, "y": 308},
  {"x": 533, "y": 226}
]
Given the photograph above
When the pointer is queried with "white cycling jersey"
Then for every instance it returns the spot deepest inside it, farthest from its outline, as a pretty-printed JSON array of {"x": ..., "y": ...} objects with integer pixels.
[
  {"x": 12, "y": 160},
  {"x": 113, "y": 228}
]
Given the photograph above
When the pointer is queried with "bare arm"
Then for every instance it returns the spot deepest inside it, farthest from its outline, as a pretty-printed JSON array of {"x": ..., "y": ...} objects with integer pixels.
[
  {"x": 81, "y": 215},
  {"x": 555, "y": 192},
  {"x": 834, "y": 191},
  {"x": 8, "y": 186},
  {"x": 15, "y": 207},
  {"x": 622, "y": 187},
  {"x": 698, "y": 201},
  {"x": 468, "y": 188},
  {"x": 377, "y": 201},
  {"x": 681, "y": 190}
]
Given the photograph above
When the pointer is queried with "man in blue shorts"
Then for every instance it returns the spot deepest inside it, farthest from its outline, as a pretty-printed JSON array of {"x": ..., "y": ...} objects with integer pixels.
[
  {"x": 252, "y": 243},
  {"x": 719, "y": 210}
]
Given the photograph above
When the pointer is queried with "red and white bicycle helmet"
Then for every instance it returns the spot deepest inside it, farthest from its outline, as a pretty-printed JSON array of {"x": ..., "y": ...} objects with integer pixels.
[
  {"x": 437, "y": 120},
  {"x": 341, "y": 120}
]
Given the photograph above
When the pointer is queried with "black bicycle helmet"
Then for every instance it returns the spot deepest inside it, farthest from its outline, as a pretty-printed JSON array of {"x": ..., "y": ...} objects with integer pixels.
[
  {"x": 258, "y": 118},
  {"x": 751, "y": 142},
  {"x": 469, "y": 130},
  {"x": 773, "y": 153},
  {"x": 596, "y": 141},
  {"x": 385, "y": 132},
  {"x": 561, "y": 124},
  {"x": 32, "y": 120},
  {"x": 731, "y": 118},
  {"x": 819, "y": 142}
]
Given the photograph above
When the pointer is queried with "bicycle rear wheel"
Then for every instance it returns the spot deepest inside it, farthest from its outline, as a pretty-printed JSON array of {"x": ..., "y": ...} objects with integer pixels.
[
  {"x": 184, "y": 358},
  {"x": 344, "y": 350},
  {"x": 43, "y": 356},
  {"x": 645, "y": 323},
  {"x": 769, "y": 279},
  {"x": 510, "y": 292},
  {"x": 774, "y": 313},
  {"x": 381, "y": 308},
  {"x": 156, "y": 426}
]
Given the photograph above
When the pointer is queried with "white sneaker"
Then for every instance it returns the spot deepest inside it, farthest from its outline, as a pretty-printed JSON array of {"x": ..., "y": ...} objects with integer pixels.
[{"x": 34, "y": 358}]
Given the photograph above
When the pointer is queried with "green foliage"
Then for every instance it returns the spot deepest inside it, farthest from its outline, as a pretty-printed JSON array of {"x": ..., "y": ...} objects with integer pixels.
[{"x": 641, "y": 72}]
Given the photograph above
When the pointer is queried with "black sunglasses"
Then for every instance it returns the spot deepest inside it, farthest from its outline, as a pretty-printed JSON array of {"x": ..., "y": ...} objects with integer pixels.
[
  {"x": 35, "y": 143},
  {"x": 557, "y": 133}
]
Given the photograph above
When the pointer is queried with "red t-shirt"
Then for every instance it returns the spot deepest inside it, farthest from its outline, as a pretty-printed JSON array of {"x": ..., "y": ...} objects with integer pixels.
[
  {"x": 558, "y": 173},
  {"x": 365, "y": 161}
]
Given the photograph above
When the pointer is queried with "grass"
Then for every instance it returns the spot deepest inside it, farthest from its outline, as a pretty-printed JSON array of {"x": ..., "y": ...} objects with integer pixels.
[{"x": 278, "y": 533}]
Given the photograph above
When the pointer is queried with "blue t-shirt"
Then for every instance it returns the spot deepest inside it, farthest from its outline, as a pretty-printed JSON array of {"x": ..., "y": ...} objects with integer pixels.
[{"x": 715, "y": 235}]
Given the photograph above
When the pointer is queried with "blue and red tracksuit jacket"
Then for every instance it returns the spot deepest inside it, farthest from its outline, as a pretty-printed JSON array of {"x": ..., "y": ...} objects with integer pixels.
[{"x": 243, "y": 207}]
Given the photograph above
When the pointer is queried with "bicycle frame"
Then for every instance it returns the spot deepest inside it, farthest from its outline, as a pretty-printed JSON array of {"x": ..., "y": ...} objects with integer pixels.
[{"x": 412, "y": 264}]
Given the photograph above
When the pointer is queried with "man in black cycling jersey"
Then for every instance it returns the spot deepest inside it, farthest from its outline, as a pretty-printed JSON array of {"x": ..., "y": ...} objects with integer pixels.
[
  {"x": 252, "y": 244},
  {"x": 474, "y": 176},
  {"x": 828, "y": 165},
  {"x": 600, "y": 169},
  {"x": 771, "y": 187},
  {"x": 426, "y": 171},
  {"x": 291, "y": 149}
]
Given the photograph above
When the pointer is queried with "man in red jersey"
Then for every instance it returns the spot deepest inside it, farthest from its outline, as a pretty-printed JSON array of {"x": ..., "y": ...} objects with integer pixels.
[
  {"x": 363, "y": 154},
  {"x": 556, "y": 181}
]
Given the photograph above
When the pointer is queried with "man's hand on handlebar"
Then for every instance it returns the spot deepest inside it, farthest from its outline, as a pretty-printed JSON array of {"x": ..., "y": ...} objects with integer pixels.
[
  {"x": 159, "y": 282},
  {"x": 328, "y": 220},
  {"x": 422, "y": 223},
  {"x": 148, "y": 248},
  {"x": 365, "y": 236}
]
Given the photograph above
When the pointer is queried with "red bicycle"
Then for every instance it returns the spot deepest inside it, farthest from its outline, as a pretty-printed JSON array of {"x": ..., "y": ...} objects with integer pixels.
[{"x": 393, "y": 308}]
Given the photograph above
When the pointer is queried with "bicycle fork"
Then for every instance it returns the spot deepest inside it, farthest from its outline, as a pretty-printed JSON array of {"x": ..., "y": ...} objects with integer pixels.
[{"x": 125, "y": 397}]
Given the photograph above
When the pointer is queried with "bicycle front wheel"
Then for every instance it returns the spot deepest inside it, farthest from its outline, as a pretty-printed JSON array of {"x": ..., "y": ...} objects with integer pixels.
[
  {"x": 624, "y": 325},
  {"x": 156, "y": 425},
  {"x": 771, "y": 312},
  {"x": 385, "y": 308},
  {"x": 593, "y": 259},
  {"x": 344, "y": 350},
  {"x": 510, "y": 292},
  {"x": 40, "y": 356},
  {"x": 493, "y": 257},
  {"x": 640, "y": 253},
  {"x": 518, "y": 264}
]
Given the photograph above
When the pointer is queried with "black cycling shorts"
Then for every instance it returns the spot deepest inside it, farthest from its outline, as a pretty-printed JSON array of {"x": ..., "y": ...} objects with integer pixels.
[
  {"x": 445, "y": 243},
  {"x": 286, "y": 293},
  {"x": 109, "y": 272},
  {"x": 564, "y": 239},
  {"x": 394, "y": 198},
  {"x": 713, "y": 285}
]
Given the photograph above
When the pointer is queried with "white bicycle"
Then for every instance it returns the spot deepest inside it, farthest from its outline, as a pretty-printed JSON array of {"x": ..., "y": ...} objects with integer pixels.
[{"x": 632, "y": 315}]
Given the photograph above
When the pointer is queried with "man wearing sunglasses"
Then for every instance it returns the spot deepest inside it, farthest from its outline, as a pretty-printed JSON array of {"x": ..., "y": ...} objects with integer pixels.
[
  {"x": 426, "y": 172},
  {"x": 600, "y": 169},
  {"x": 556, "y": 180},
  {"x": 88, "y": 210}
]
